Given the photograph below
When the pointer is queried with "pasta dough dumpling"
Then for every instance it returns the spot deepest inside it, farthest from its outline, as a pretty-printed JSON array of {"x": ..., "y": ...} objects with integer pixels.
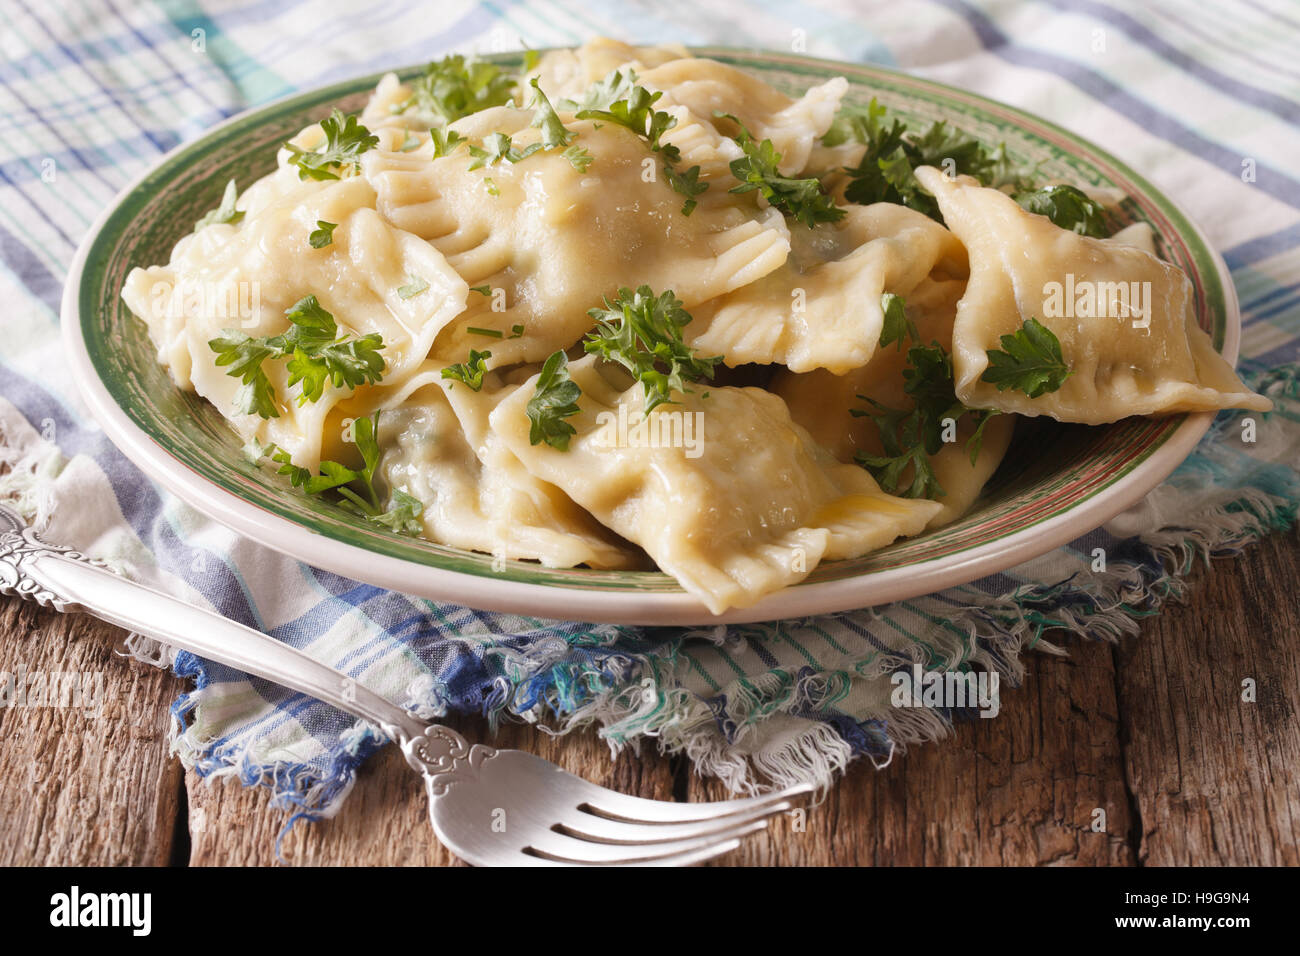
[
  {"x": 1124, "y": 318},
  {"x": 552, "y": 241},
  {"x": 821, "y": 308},
  {"x": 725, "y": 493}
]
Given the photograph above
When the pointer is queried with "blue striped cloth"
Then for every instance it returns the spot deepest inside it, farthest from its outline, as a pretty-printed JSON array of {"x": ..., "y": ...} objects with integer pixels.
[{"x": 1203, "y": 99}]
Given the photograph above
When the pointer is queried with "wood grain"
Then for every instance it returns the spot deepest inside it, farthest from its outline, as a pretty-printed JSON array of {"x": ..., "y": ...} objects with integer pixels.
[
  {"x": 86, "y": 786},
  {"x": 1153, "y": 732}
]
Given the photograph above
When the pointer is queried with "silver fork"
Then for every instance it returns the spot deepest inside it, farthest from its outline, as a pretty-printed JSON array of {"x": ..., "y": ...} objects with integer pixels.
[{"x": 490, "y": 807}]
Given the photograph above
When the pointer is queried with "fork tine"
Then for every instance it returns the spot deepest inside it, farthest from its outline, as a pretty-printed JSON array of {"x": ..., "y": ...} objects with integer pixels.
[
  {"x": 588, "y": 826},
  {"x": 607, "y": 803},
  {"x": 558, "y": 848}
]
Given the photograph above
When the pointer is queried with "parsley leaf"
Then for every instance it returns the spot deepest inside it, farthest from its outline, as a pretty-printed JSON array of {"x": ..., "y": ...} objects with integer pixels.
[
  {"x": 909, "y": 437},
  {"x": 897, "y": 326},
  {"x": 803, "y": 200},
  {"x": 470, "y": 372},
  {"x": 315, "y": 356},
  {"x": 444, "y": 141},
  {"x": 496, "y": 147},
  {"x": 603, "y": 94},
  {"x": 886, "y": 171},
  {"x": 244, "y": 355},
  {"x": 555, "y": 398},
  {"x": 456, "y": 86},
  {"x": 555, "y": 135},
  {"x": 1068, "y": 207},
  {"x": 323, "y": 234},
  {"x": 414, "y": 287},
  {"x": 345, "y": 140},
  {"x": 643, "y": 333},
  {"x": 1030, "y": 361},
  {"x": 354, "y": 489},
  {"x": 225, "y": 212}
]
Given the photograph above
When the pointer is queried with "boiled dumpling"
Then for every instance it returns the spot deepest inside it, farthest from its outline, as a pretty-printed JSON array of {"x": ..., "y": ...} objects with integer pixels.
[
  {"x": 1142, "y": 355},
  {"x": 551, "y": 242},
  {"x": 475, "y": 493},
  {"x": 821, "y": 308},
  {"x": 724, "y": 492},
  {"x": 706, "y": 87},
  {"x": 265, "y": 265},
  {"x": 823, "y": 403}
]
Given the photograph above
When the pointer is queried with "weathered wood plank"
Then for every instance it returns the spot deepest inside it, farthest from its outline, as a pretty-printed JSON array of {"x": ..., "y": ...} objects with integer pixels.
[
  {"x": 1216, "y": 779},
  {"x": 84, "y": 786}
]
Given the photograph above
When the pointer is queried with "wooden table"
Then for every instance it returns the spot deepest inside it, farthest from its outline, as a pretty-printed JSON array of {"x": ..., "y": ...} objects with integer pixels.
[{"x": 1152, "y": 731}]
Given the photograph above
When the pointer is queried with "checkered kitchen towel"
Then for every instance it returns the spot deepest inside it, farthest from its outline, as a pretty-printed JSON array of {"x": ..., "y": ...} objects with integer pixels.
[{"x": 93, "y": 91}]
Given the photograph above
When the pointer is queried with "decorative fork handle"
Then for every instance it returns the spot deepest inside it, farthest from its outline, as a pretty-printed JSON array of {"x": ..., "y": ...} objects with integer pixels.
[{"x": 66, "y": 580}]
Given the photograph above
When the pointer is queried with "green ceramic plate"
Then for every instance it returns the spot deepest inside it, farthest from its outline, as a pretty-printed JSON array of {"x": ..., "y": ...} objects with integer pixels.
[{"x": 1057, "y": 482}]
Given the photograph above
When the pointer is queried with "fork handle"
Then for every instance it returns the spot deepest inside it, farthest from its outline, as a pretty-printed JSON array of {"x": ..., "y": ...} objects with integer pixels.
[{"x": 67, "y": 580}]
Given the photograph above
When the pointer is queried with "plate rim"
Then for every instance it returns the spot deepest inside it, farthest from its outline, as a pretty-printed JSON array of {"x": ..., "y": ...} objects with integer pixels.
[{"x": 627, "y": 607}]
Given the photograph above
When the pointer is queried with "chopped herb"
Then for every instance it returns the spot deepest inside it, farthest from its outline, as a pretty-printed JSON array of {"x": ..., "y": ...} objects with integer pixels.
[
  {"x": 643, "y": 333},
  {"x": 516, "y": 331},
  {"x": 355, "y": 489},
  {"x": 471, "y": 372},
  {"x": 414, "y": 287},
  {"x": 909, "y": 438},
  {"x": 803, "y": 200},
  {"x": 408, "y": 142},
  {"x": 886, "y": 171},
  {"x": 1068, "y": 207},
  {"x": 601, "y": 95},
  {"x": 481, "y": 289},
  {"x": 555, "y": 135},
  {"x": 491, "y": 186},
  {"x": 456, "y": 86},
  {"x": 578, "y": 157},
  {"x": 323, "y": 234},
  {"x": 444, "y": 141},
  {"x": 345, "y": 141},
  {"x": 225, "y": 211},
  {"x": 897, "y": 326},
  {"x": 315, "y": 357},
  {"x": 496, "y": 147},
  {"x": 1030, "y": 361},
  {"x": 555, "y": 398},
  {"x": 490, "y": 333}
]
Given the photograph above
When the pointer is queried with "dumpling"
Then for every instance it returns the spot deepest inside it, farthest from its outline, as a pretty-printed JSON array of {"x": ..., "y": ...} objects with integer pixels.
[
  {"x": 724, "y": 492},
  {"x": 476, "y": 495},
  {"x": 567, "y": 73},
  {"x": 265, "y": 265},
  {"x": 550, "y": 242},
  {"x": 821, "y": 309},
  {"x": 823, "y": 403},
  {"x": 1124, "y": 318},
  {"x": 706, "y": 87}
]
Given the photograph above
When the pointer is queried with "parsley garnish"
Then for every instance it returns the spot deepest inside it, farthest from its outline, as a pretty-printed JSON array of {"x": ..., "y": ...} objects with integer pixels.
[
  {"x": 896, "y": 326},
  {"x": 323, "y": 234},
  {"x": 555, "y": 398},
  {"x": 909, "y": 437},
  {"x": 1068, "y": 207},
  {"x": 444, "y": 141},
  {"x": 803, "y": 200},
  {"x": 885, "y": 172},
  {"x": 470, "y": 372},
  {"x": 1030, "y": 361},
  {"x": 315, "y": 357},
  {"x": 643, "y": 333},
  {"x": 455, "y": 86},
  {"x": 414, "y": 287},
  {"x": 225, "y": 211},
  {"x": 355, "y": 488},
  {"x": 345, "y": 141}
]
